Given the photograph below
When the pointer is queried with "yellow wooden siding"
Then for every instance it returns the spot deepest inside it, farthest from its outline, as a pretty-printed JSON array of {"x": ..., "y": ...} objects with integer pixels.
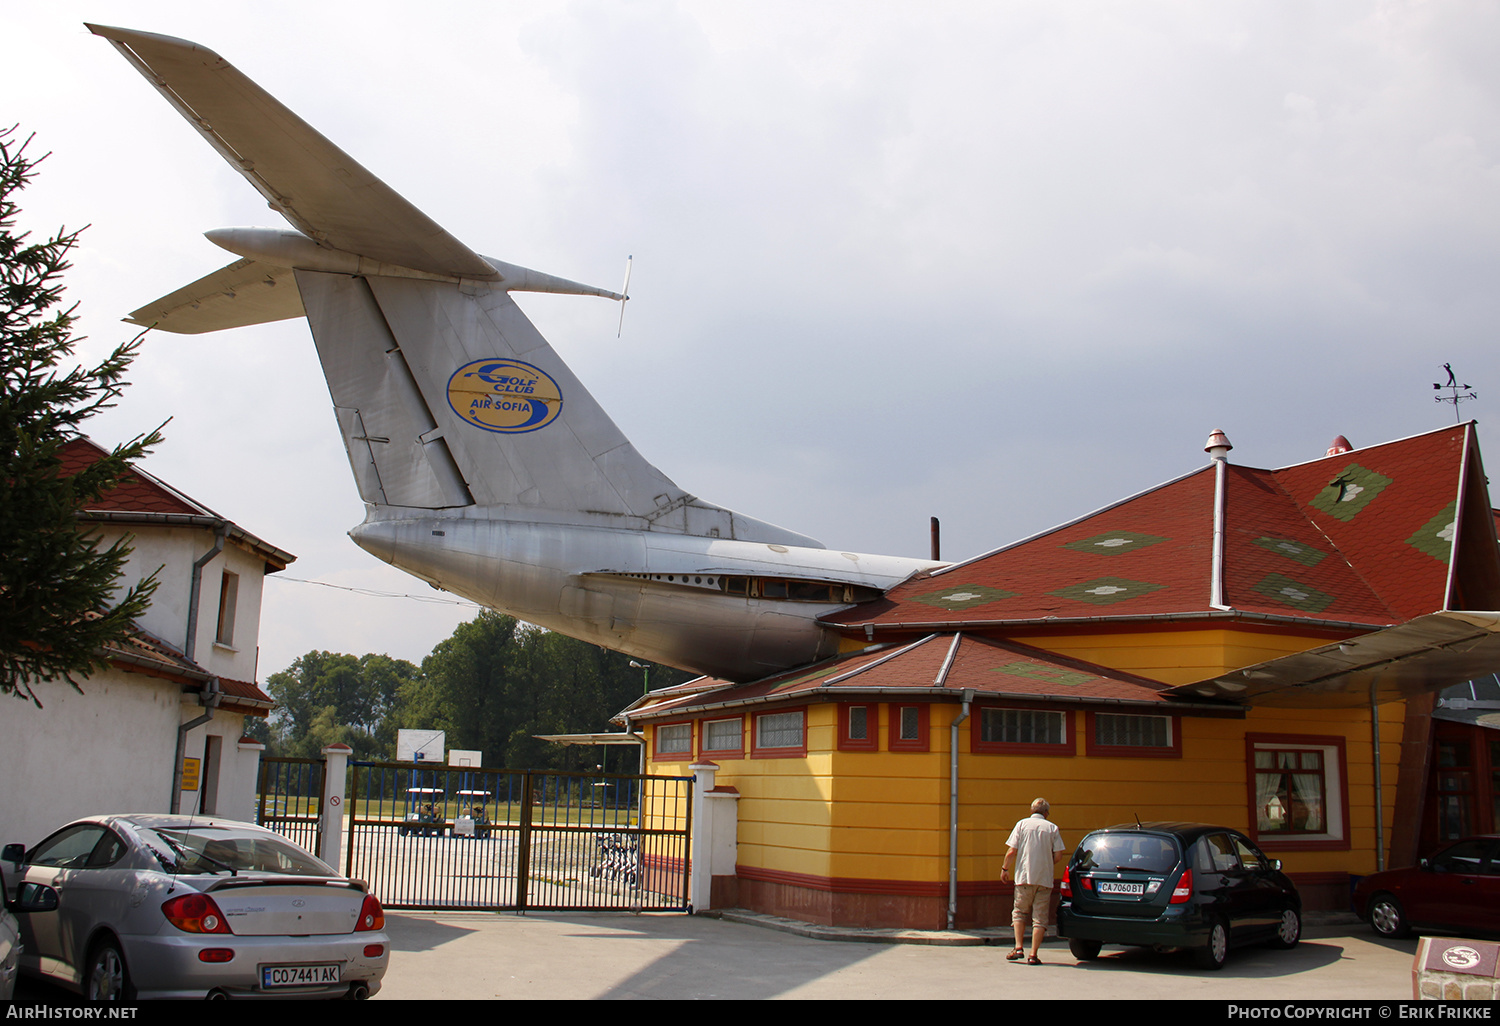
[
  {"x": 1179, "y": 656},
  {"x": 884, "y": 815}
]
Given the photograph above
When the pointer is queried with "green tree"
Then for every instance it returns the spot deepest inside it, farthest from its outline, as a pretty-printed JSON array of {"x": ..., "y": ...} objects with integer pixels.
[
  {"x": 322, "y": 691},
  {"x": 60, "y": 602},
  {"x": 496, "y": 683}
]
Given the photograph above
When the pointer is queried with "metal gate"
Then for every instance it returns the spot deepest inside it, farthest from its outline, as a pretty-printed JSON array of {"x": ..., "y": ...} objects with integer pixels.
[
  {"x": 444, "y": 837},
  {"x": 289, "y": 799}
]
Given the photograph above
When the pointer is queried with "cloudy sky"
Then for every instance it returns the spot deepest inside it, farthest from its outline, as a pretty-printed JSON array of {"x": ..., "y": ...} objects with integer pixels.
[{"x": 996, "y": 262}]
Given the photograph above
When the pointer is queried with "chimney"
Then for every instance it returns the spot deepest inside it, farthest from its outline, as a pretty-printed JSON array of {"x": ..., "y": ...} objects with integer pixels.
[{"x": 1218, "y": 445}]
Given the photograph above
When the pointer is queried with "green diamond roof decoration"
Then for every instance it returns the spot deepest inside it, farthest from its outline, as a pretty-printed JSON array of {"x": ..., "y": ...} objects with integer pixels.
[
  {"x": 1103, "y": 591},
  {"x": 1349, "y": 492},
  {"x": 1436, "y": 536},
  {"x": 1302, "y": 553},
  {"x": 963, "y": 596},
  {"x": 1113, "y": 543},
  {"x": 1294, "y": 593},
  {"x": 1043, "y": 672}
]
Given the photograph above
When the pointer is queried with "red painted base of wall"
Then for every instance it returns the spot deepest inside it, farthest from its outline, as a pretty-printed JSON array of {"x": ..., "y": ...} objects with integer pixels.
[{"x": 895, "y": 904}]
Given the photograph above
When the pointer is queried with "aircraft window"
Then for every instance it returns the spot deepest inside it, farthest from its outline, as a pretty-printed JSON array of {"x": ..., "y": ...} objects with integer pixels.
[{"x": 773, "y": 589}]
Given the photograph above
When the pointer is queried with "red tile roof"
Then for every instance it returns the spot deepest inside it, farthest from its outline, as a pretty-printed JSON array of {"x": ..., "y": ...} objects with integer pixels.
[
  {"x": 138, "y": 492},
  {"x": 937, "y": 664},
  {"x": 141, "y": 498},
  {"x": 1359, "y": 538}
]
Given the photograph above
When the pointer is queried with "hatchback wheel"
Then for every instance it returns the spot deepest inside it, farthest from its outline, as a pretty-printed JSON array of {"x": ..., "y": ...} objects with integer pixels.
[
  {"x": 1084, "y": 950},
  {"x": 108, "y": 978},
  {"x": 1215, "y": 950},
  {"x": 1289, "y": 930},
  {"x": 1387, "y": 918}
]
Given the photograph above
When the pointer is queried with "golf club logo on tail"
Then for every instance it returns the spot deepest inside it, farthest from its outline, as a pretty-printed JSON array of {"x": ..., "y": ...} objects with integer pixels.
[{"x": 507, "y": 396}]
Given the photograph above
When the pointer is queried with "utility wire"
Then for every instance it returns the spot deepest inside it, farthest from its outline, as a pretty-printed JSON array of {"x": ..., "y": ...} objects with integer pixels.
[{"x": 380, "y": 594}]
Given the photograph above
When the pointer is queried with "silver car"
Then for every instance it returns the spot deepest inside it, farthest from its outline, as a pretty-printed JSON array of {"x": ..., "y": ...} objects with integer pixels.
[
  {"x": 152, "y": 906},
  {"x": 33, "y": 899}
]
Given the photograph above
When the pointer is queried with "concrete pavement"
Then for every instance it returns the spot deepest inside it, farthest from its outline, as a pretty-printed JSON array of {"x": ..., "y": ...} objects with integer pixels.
[{"x": 543, "y": 956}]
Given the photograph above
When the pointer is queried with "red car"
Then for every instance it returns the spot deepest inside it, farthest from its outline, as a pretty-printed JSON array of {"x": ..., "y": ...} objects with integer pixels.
[{"x": 1456, "y": 891}]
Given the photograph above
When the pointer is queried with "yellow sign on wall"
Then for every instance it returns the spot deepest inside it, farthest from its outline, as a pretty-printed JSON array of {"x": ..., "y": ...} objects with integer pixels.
[{"x": 190, "y": 769}]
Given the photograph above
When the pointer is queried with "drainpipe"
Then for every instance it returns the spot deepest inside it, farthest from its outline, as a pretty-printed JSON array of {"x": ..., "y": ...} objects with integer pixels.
[
  {"x": 190, "y": 647},
  {"x": 968, "y": 696},
  {"x": 1218, "y": 448},
  {"x": 209, "y": 699},
  {"x": 1379, "y": 797}
]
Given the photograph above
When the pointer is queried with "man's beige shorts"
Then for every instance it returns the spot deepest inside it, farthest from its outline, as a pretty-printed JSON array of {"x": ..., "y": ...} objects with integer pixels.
[{"x": 1033, "y": 902}]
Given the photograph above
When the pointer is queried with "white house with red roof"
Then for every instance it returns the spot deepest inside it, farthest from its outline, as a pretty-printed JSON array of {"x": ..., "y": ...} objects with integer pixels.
[{"x": 163, "y": 729}]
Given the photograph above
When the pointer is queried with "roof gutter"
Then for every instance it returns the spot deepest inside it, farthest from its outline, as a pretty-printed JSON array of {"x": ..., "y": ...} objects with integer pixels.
[
  {"x": 1163, "y": 705},
  {"x": 279, "y": 558},
  {"x": 1279, "y": 619}
]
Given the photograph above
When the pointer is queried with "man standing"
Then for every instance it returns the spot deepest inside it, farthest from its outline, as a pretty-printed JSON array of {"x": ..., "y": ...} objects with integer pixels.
[{"x": 1035, "y": 846}]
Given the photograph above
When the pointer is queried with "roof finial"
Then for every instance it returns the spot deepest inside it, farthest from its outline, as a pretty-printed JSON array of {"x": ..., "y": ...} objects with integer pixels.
[
  {"x": 1218, "y": 445},
  {"x": 1339, "y": 445}
]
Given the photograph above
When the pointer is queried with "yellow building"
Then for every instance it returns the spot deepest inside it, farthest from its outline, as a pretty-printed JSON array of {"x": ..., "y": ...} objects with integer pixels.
[{"x": 1245, "y": 647}]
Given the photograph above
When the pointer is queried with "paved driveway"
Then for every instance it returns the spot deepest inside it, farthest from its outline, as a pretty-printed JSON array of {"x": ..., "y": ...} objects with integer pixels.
[{"x": 549, "y": 956}]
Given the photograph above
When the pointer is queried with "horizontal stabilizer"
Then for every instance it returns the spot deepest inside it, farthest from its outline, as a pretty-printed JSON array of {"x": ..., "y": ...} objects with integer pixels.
[
  {"x": 245, "y": 292},
  {"x": 325, "y": 193},
  {"x": 1423, "y": 655}
]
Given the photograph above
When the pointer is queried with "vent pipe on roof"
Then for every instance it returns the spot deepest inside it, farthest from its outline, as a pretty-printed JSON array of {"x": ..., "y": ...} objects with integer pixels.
[
  {"x": 1339, "y": 445},
  {"x": 1218, "y": 448}
]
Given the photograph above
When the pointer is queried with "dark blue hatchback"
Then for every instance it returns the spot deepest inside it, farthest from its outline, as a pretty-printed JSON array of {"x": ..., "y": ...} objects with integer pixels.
[{"x": 1176, "y": 885}]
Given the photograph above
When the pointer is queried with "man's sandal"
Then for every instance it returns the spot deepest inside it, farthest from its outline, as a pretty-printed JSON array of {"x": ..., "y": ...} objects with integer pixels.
[{"x": 1016, "y": 955}]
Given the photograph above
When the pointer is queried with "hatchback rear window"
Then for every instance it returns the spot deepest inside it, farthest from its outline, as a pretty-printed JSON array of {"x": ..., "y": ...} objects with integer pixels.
[
  {"x": 1148, "y": 853},
  {"x": 212, "y": 849}
]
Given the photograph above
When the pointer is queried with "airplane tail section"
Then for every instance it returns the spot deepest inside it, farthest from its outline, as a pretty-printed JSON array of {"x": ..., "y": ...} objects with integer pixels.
[{"x": 446, "y": 395}]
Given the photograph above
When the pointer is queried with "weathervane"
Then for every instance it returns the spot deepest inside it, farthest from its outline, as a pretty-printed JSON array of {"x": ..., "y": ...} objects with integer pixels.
[{"x": 1455, "y": 387}]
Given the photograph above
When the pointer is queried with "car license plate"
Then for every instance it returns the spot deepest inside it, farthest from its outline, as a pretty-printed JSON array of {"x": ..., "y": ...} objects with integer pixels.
[
  {"x": 1117, "y": 887},
  {"x": 299, "y": 975}
]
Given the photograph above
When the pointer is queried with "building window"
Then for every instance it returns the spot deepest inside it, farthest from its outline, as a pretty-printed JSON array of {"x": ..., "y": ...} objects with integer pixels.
[
  {"x": 781, "y": 734},
  {"x": 1112, "y": 734},
  {"x": 724, "y": 737},
  {"x": 859, "y": 727},
  {"x": 674, "y": 739},
  {"x": 1291, "y": 795},
  {"x": 1023, "y": 731},
  {"x": 229, "y": 589},
  {"x": 909, "y": 728},
  {"x": 1297, "y": 794}
]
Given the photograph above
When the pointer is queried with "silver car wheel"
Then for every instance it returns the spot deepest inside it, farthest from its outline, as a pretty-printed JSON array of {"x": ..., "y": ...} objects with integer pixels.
[
  {"x": 1289, "y": 930},
  {"x": 1386, "y": 917},
  {"x": 1215, "y": 951},
  {"x": 108, "y": 979}
]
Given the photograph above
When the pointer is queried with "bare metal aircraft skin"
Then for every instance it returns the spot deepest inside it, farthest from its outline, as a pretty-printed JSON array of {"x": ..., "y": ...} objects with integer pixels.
[{"x": 486, "y": 468}]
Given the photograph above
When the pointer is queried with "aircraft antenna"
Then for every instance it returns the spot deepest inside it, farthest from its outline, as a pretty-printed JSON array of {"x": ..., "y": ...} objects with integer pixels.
[{"x": 624, "y": 295}]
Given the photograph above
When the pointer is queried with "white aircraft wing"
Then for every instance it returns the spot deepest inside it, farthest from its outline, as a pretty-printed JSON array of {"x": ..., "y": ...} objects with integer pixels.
[
  {"x": 245, "y": 292},
  {"x": 1422, "y": 655},
  {"x": 316, "y": 186}
]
